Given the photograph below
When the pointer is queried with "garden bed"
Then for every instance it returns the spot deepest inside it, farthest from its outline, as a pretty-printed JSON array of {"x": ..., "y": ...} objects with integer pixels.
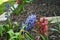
[{"x": 43, "y": 9}]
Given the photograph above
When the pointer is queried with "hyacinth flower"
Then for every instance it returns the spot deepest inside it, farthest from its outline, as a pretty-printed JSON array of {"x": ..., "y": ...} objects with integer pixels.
[
  {"x": 7, "y": 6},
  {"x": 41, "y": 24},
  {"x": 30, "y": 21}
]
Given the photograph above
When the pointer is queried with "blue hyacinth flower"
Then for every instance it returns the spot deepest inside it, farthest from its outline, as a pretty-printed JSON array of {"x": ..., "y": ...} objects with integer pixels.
[
  {"x": 30, "y": 21},
  {"x": 7, "y": 6}
]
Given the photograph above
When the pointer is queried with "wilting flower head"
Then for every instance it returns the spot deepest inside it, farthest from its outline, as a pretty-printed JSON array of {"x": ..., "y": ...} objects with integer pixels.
[
  {"x": 30, "y": 21},
  {"x": 41, "y": 24}
]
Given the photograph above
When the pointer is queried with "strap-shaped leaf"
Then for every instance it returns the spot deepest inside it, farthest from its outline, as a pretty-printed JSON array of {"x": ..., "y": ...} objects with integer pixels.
[
  {"x": 59, "y": 26},
  {"x": 52, "y": 29},
  {"x": 29, "y": 35},
  {"x": 6, "y": 27},
  {"x": 43, "y": 38},
  {"x": 46, "y": 38},
  {"x": 1, "y": 29},
  {"x": 20, "y": 36},
  {"x": 11, "y": 33}
]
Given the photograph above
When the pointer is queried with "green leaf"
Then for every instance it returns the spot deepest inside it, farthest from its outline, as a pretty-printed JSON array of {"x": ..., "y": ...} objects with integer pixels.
[
  {"x": 1, "y": 29},
  {"x": 29, "y": 1},
  {"x": 43, "y": 38},
  {"x": 23, "y": 27},
  {"x": 14, "y": 38},
  {"x": 16, "y": 25},
  {"x": 20, "y": 36},
  {"x": 11, "y": 33},
  {"x": 49, "y": 22},
  {"x": 20, "y": 8},
  {"x": 29, "y": 35},
  {"x": 46, "y": 38},
  {"x": 26, "y": 38},
  {"x": 52, "y": 29},
  {"x": 6, "y": 27},
  {"x": 17, "y": 34},
  {"x": 59, "y": 26}
]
